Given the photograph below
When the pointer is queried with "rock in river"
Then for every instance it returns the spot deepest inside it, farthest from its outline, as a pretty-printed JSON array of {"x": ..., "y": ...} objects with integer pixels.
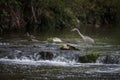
[
  {"x": 46, "y": 55},
  {"x": 68, "y": 47}
]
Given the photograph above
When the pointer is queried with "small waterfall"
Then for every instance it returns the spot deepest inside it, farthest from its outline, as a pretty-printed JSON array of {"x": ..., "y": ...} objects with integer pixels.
[
  {"x": 60, "y": 56},
  {"x": 109, "y": 59},
  {"x": 26, "y": 60},
  {"x": 41, "y": 51}
]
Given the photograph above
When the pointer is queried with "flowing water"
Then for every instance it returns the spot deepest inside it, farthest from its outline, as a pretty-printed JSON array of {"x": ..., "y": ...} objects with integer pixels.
[{"x": 23, "y": 60}]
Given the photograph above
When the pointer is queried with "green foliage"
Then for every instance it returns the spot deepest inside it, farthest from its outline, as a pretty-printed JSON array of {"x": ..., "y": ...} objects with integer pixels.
[
  {"x": 56, "y": 15},
  {"x": 95, "y": 13},
  {"x": 50, "y": 39},
  {"x": 91, "y": 57}
]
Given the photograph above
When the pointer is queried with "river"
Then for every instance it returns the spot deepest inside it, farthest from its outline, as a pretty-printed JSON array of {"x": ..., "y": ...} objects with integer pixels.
[{"x": 21, "y": 60}]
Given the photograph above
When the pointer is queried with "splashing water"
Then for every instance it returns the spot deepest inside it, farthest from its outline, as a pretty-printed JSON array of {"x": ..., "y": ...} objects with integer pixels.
[{"x": 25, "y": 60}]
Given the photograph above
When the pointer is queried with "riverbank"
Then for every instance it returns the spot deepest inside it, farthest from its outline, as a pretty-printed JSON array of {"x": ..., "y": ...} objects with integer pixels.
[{"x": 66, "y": 36}]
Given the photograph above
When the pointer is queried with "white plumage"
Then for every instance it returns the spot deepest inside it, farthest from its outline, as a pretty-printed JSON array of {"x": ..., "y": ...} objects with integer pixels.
[{"x": 86, "y": 39}]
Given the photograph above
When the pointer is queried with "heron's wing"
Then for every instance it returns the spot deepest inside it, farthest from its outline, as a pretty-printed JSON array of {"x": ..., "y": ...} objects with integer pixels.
[{"x": 89, "y": 39}]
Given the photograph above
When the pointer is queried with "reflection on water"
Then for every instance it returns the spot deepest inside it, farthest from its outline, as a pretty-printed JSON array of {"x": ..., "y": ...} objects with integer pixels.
[{"x": 21, "y": 60}]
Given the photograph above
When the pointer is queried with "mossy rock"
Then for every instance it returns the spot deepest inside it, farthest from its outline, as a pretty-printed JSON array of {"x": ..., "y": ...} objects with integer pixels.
[
  {"x": 67, "y": 47},
  {"x": 46, "y": 55},
  {"x": 89, "y": 58}
]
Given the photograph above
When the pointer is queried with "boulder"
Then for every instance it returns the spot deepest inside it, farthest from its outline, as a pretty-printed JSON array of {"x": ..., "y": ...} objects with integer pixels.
[
  {"x": 88, "y": 58},
  {"x": 46, "y": 55},
  {"x": 68, "y": 47},
  {"x": 55, "y": 39}
]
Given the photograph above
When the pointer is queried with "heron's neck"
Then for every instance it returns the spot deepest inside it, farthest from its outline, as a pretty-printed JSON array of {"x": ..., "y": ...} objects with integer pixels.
[{"x": 80, "y": 34}]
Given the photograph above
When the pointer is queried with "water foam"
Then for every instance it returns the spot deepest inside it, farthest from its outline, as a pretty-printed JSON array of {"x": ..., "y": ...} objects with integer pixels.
[{"x": 39, "y": 62}]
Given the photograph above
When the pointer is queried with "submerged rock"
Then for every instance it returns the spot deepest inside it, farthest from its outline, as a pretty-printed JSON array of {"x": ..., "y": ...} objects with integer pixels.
[
  {"x": 109, "y": 59},
  {"x": 89, "y": 58},
  {"x": 68, "y": 47},
  {"x": 46, "y": 55},
  {"x": 15, "y": 55}
]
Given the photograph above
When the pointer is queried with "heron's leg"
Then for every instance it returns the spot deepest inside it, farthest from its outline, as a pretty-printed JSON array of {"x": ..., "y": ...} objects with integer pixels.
[{"x": 87, "y": 47}]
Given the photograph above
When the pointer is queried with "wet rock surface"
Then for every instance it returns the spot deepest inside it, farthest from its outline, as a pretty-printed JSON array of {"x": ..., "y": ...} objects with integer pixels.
[
  {"x": 46, "y": 55},
  {"x": 68, "y": 47}
]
